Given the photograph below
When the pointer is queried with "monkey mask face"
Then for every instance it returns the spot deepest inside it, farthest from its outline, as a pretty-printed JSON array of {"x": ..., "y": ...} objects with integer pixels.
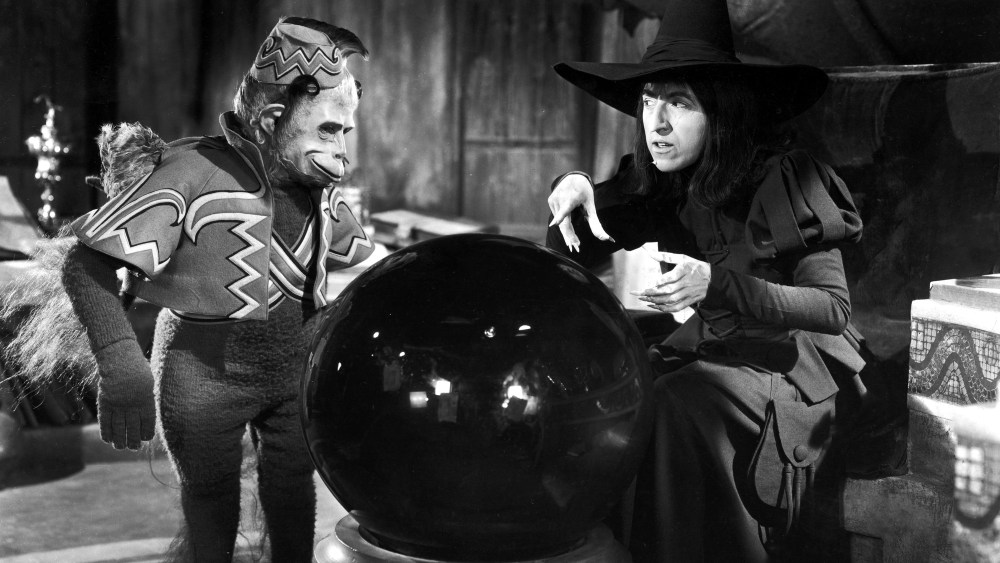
[
  {"x": 309, "y": 144},
  {"x": 307, "y": 138}
]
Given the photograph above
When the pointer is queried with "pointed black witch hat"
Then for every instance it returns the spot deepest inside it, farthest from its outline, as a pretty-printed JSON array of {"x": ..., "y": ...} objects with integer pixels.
[{"x": 695, "y": 39}]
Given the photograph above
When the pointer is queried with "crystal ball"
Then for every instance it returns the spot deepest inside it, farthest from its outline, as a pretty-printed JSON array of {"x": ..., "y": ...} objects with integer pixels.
[{"x": 477, "y": 397}]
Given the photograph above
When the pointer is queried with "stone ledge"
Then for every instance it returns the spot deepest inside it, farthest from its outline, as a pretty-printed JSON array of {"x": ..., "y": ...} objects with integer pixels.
[{"x": 907, "y": 516}]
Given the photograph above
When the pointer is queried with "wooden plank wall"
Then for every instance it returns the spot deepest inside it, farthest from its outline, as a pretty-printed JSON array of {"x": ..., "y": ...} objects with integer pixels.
[
  {"x": 461, "y": 114},
  {"x": 231, "y": 33},
  {"x": 408, "y": 118},
  {"x": 615, "y": 131},
  {"x": 404, "y": 147},
  {"x": 46, "y": 48},
  {"x": 14, "y": 159},
  {"x": 159, "y": 86},
  {"x": 522, "y": 125}
]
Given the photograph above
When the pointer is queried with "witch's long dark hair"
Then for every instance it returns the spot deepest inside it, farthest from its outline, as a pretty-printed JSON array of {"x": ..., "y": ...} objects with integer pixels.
[{"x": 742, "y": 134}]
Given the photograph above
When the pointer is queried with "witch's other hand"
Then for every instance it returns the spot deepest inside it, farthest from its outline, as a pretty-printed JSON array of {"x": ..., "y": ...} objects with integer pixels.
[{"x": 683, "y": 286}]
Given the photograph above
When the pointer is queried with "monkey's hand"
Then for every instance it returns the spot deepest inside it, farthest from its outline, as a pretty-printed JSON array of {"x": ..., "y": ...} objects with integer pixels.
[{"x": 126, "y": 409}]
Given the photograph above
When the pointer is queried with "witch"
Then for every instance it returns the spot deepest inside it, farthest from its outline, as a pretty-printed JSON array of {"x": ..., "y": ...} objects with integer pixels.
[{"x": 749, "y": 233}]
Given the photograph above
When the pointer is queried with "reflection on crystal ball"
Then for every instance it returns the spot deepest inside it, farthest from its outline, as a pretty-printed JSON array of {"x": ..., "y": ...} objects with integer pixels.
[{"x": 477, "y": 397}]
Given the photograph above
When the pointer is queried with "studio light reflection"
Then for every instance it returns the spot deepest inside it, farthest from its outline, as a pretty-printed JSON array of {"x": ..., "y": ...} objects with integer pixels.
[
  {"x": 442, "y": 387},
  {"x": 418, "y": 399}
]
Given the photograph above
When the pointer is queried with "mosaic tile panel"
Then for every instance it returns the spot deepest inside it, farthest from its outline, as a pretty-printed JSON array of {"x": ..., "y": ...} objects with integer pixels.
[{"x": 953, "y": 363}]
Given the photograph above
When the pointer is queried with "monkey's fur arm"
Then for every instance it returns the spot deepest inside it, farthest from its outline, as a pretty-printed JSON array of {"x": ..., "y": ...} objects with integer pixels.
[
  {"x": 55, "y": 337},
  {"x": 125, "y": 404}
]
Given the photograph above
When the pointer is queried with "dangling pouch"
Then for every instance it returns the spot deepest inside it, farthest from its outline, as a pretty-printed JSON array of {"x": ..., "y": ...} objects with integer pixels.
[{"x": 784, "y": 462}]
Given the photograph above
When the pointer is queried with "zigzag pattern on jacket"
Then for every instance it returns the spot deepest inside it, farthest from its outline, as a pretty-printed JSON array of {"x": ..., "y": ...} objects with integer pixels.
[
  {"x": 111, "y": 222},
  {"x": 204, "y": 210},
  {"x": 272, "y": 55},
  {"x": 358, "y": 239},
  {"x": 193, "y": 224}
]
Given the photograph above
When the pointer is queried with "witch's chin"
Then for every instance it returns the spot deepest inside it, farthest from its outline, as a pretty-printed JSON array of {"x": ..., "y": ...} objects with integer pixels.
[
  {"x": 669, "y": 165},
  {"x": 663, "y": 166}
]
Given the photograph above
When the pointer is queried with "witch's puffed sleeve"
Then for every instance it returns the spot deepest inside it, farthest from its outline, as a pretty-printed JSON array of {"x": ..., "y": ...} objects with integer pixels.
[
  {"x": 142, "y": 225},
  {"x": 801, "y": 204},
  {"x": 802, "y": 211}
]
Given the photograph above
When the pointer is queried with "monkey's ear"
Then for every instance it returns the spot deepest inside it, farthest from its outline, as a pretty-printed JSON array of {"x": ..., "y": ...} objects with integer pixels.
[{"x": 269, "y": 117}]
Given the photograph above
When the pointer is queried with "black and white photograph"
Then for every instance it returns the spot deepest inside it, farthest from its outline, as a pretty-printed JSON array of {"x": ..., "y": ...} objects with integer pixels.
[{"x": 499, "y": 281}]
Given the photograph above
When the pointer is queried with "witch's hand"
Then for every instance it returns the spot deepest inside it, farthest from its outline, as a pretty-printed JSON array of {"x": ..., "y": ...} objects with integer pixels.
[
  {"x": 573, "y": 191},
  {"x": 683, "y": 286}
]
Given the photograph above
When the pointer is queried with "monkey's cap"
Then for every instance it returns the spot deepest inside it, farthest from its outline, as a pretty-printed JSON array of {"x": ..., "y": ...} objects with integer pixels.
[{"x": 293, "y": 50}]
